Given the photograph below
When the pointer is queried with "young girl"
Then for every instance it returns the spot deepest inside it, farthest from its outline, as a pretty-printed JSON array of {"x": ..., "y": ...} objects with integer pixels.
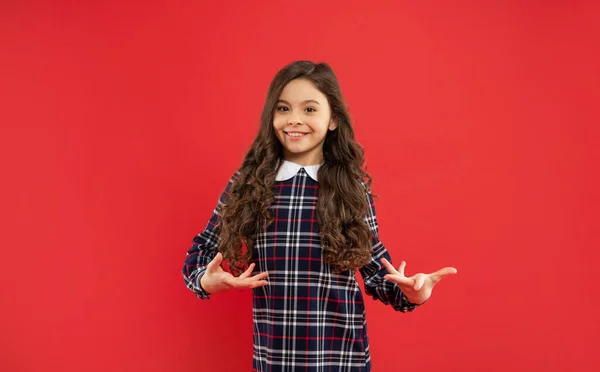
[{"x": 299, "y": 217}]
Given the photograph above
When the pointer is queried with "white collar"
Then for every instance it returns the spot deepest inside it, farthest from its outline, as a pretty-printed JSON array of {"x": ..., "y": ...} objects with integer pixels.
[{"x": 289, "y": 169}]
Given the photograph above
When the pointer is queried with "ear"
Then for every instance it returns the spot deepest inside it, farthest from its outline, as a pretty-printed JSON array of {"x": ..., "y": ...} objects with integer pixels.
[{"x": 332, "y": 125}]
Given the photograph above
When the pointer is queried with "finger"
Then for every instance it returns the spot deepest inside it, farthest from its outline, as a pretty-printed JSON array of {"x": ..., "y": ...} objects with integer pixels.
[
  {"x": 399, "y": 279},
  {"x": 442, "y": 273},
  {"x": 216, "y": 262},
  {"x": 419, "y": 281},
  {"x": 259, "y": 276},
  {"x": 248, "y": 271},
  {"x": 389, "y": 267},
  {"x": 402, "y": 267},
  {"x": 260, "y": 283},
  {"x": 253, "y": 282}
]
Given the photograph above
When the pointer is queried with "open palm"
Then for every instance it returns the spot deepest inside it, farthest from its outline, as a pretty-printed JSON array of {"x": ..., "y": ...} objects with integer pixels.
[
  {"x": 418, "y": 287},
  {"x": 215, "y": 279}
]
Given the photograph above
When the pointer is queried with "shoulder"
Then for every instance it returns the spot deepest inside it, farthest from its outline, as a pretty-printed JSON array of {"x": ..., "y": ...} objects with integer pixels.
[
  {"x": 232, "y": 179},
  {"x": 367, "y": 191}
]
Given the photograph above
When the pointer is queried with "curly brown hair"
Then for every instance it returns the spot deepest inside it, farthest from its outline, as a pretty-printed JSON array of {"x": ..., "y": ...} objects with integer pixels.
[{"x": 343, "y": 184}]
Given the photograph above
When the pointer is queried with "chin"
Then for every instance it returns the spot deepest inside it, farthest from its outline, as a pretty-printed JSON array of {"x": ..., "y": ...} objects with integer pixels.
[{"x": 292, "y": 151}]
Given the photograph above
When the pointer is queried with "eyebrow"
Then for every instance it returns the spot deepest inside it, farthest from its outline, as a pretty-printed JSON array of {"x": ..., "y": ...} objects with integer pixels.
[{"x": 303, "y": 102}]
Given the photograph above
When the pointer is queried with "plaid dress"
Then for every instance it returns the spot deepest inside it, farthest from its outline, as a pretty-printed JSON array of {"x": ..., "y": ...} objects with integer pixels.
[{"x": 307, "y": 318}]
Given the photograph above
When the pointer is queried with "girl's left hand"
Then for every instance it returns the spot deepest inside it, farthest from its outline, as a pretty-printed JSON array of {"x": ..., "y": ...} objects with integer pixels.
[{"x": 418, "y": 287}]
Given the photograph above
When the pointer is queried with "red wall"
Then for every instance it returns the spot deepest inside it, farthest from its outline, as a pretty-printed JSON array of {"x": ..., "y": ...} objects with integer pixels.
[{"x": 121, "y": 123}]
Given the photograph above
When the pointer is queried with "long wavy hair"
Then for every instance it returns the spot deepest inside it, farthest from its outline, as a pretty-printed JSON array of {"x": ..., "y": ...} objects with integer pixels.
[{"x": 342, "y": 203}]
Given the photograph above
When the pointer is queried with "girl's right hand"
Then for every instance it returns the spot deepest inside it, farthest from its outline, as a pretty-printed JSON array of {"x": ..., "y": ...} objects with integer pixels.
[{"x": 215, "y": 279}]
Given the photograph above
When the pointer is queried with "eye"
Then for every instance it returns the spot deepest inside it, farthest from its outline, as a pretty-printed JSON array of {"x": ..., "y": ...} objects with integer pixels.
[
  {"x": 282, "y": 108},
  {"x": 311, "y": 109}
]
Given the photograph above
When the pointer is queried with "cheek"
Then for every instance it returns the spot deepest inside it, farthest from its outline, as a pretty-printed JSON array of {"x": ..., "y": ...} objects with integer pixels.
[
  {"x": 320, "y": 125},
  {"x": 278, "y": 123}
]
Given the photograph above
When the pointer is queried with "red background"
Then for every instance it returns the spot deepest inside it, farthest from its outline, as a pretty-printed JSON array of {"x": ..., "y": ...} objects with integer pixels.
[{"x": 123, "y": 121}]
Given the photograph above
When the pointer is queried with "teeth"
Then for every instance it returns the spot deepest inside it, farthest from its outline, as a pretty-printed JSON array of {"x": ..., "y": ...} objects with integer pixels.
[{"x": 295, "y": 134}]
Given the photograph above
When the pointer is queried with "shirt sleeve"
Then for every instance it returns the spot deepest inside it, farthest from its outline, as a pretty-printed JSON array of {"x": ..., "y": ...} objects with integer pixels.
[
  {"x": 373, "y": 273},
  {"x": 204, "y": 248}
]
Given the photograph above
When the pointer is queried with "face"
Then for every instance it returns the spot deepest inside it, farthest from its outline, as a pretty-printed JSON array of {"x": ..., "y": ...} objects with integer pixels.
[{"x": 301, "y": 121}]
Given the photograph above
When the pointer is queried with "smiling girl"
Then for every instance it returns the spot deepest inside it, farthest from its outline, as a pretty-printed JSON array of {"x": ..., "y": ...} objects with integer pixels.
[{"x": 295, "y": 223}]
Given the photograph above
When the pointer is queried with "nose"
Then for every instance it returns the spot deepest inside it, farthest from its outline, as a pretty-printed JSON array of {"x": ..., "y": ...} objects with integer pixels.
[{"x": 294, "y": 119}]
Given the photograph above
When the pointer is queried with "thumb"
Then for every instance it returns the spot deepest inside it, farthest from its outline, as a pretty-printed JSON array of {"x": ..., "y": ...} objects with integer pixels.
[{"x": 215, "y": 263}]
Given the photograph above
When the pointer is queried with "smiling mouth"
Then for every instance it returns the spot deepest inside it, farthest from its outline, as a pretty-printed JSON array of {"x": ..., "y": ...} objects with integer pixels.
[{"x": 295, "y": 134}]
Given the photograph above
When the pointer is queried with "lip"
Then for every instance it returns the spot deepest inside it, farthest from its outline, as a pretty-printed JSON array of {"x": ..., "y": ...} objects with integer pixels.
[{"x": 295, "y": 138}]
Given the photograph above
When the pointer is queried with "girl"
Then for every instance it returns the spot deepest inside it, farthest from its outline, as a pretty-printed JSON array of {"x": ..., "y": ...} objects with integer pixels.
[{"x": 294, "y": 224}]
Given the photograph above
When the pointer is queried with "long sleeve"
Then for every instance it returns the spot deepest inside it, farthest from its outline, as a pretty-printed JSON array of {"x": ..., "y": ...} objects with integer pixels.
[
  {"x": 204, "y": 248},
  {"x": 373, "y": 273}
]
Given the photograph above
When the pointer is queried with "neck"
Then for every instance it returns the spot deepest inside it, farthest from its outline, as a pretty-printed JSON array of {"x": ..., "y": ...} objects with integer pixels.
[{"x": 304, "y": 161}]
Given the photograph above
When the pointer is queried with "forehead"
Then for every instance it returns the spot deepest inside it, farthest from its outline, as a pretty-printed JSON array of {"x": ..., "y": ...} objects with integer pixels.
[{"x": 299, "y": 90}]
